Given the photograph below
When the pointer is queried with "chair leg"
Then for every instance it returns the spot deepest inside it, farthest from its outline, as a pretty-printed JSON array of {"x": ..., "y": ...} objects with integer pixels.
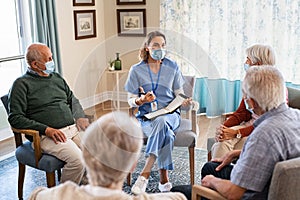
[
  {"x": 129, "y": 179},
  {"x": 209, "y": 156},
  {"x": 21, "y": 180},
  {"x": 50, "y": 179},
  {"x": 192, "y": 164},
  {"x": 59, "y": 174}
]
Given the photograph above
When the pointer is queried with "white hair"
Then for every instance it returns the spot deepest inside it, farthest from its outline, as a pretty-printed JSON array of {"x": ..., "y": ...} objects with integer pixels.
[
  {"x": 111, "y": 146},
  {"x": 260, "y": 53},
  {"x": 265, "y": 84}
]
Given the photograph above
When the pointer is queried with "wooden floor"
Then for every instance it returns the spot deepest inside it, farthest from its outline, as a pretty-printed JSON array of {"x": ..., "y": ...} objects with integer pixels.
[{"x": 207, "y": 127}]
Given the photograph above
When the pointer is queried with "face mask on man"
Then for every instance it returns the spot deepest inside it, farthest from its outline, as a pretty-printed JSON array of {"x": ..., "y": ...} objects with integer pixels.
[
  {"x": 50, "y": 66},
  {"x": 158, "y": 54}
]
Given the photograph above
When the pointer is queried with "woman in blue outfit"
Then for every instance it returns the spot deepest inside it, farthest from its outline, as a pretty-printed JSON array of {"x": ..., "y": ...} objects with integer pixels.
[{"x": 152, "y": 84}]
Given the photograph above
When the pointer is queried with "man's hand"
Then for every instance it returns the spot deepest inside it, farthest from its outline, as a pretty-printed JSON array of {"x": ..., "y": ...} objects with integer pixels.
[
  {"x": 207, "y": 181},
  {"x": 225, "y": 187},
  {"x": 226, "y": 159},
  {"x": 82, "y": 123},
  {"x": 56, "y": 135}
]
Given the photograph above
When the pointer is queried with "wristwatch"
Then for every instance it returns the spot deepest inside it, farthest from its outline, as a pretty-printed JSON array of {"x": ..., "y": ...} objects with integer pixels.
[{"x": 239, "y": 135}]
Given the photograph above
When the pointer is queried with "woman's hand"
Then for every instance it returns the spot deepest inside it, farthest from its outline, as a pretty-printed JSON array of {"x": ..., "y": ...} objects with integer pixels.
[
  {"x": 148, "y": 97},
  {"x": 145, "y": 97},
  {"x": 225, "y": 133},
  {"x": 187, "y": 102}
]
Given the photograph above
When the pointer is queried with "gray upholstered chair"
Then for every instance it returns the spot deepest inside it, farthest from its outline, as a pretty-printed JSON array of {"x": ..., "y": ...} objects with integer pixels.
[
  {"x": 188, "y": 131},
  {"x": 26, "y": 155},
  {"x": 284, "y": 184}
]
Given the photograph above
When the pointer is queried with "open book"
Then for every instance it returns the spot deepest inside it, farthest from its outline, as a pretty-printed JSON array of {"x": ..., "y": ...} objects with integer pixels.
[{"x": 168, "y": 109}]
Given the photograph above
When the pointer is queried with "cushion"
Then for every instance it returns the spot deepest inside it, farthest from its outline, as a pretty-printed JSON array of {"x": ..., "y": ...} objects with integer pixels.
[
  {"x": 185, "y": 137},
  {"x": 285, "y": 182},
  {"x": 294, "y": 97},
  {"x": 48, "y": 163}
]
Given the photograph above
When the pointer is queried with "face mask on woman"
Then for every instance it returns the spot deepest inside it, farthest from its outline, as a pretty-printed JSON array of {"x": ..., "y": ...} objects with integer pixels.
[
  {"x": 248, "y": 107},
  {"x": 158, "y": 54},
  {"x": 246, "y": 66}
]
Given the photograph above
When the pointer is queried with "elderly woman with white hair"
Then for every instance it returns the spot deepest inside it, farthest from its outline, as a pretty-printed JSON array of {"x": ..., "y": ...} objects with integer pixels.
[
  {"x": 232, "y": 133},
  {"x": 111, "y": 146}
]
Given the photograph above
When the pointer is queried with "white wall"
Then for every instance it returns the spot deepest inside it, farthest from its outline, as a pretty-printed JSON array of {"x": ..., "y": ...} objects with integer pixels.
[{"x": 84, "y": 61}]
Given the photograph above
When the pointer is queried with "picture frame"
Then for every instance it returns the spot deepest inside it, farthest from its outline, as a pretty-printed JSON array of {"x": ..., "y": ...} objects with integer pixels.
[
  {"x": 131, "y": 2},
  {"x": 83, "y": 2},
  {"x": 85, "y": 24},
  {"x": 131, "y": 22}
]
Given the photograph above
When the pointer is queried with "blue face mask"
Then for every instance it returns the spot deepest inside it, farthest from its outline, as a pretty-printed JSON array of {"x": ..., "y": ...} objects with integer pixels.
[
  {"x": 50, "y": 66},
  {"x": 246, "y": 66},
  {"x": 158, "y": 54},
  {"x": 248, "y": 107}
]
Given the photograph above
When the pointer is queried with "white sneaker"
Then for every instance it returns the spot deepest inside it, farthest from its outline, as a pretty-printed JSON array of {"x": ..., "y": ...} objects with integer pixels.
[
  {"x": 140, "y": 185},
  {"x": 165, "y": 187}
]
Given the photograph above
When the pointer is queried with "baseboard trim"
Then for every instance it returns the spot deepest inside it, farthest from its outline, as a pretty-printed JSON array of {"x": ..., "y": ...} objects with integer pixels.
[{"x": 102, "y": 97}]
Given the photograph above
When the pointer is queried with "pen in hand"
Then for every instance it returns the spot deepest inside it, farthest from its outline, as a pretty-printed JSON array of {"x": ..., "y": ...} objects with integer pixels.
[{"x": 147, "y": 97}]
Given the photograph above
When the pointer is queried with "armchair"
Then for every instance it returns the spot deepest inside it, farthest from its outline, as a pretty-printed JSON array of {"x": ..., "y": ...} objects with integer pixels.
[
  {"x": 187, "y": 133},
  {"x": 284, "y": 184},
  {"x": 26, "y": 155}
]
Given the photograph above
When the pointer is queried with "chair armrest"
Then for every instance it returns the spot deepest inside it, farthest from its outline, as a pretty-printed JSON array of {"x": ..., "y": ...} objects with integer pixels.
[
  {"x": 201, "y": 191},
  {"x": 191, "y": 114},
  {"x": 36, "y": 141}
]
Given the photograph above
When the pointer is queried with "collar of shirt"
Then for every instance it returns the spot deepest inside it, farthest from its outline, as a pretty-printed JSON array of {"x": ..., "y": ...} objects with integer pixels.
[{"x": 281, "y": 108}]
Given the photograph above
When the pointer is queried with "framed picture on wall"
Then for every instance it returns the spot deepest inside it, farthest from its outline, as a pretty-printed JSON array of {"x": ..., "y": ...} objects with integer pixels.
[
  {"x": 131, "y": 22},
  {"x": 83, "y": 2},
  {"x": 131, "y": 2},
  {"x": 85, "y": 24}
]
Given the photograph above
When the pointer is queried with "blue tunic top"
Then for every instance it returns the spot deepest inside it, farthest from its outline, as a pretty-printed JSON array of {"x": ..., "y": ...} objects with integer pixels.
[
  {"x": 276, "y": 138},
  {"x": 163, "y": 84}
]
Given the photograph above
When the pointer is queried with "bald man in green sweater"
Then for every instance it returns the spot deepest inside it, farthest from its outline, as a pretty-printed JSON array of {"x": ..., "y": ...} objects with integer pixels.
[{"x": 42, "y": 100}]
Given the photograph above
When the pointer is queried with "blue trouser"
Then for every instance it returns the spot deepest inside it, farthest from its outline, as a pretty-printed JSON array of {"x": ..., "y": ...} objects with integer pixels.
[{"x": 160, "y": 133}]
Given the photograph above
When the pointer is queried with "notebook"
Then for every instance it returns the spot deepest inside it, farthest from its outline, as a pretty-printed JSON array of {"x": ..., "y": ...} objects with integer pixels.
[{"x": 176, "y": 103}]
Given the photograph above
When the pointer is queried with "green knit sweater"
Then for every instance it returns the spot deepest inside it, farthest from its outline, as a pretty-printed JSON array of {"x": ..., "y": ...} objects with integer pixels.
[{"x": 36, "y": 102}]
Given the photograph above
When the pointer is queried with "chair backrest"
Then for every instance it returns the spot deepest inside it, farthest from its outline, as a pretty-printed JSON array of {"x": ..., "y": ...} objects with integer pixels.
[
  {"x": 285, "y": 182},
  {"x": 4, "y": 100},
  {"x": 189, "y": 85},
  {"x": 294, "y": 97}
]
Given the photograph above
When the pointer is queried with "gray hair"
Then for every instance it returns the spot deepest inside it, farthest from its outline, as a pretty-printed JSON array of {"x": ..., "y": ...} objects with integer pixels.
[
  {"x": 265, "y": 85},
  {"x": 263, "y": 54},
  {"x": 34, "y": 53},
  {"x": 111, "y": 146}
]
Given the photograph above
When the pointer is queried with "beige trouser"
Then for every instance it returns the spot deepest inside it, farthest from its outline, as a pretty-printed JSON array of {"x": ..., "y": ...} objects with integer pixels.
[
  {"x": 219, "y": 149},
  {"x": 68, "y": 151}
]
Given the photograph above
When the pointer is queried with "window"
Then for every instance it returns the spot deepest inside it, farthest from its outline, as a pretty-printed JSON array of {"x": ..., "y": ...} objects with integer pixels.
[{"x": 14, "y": 20}]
